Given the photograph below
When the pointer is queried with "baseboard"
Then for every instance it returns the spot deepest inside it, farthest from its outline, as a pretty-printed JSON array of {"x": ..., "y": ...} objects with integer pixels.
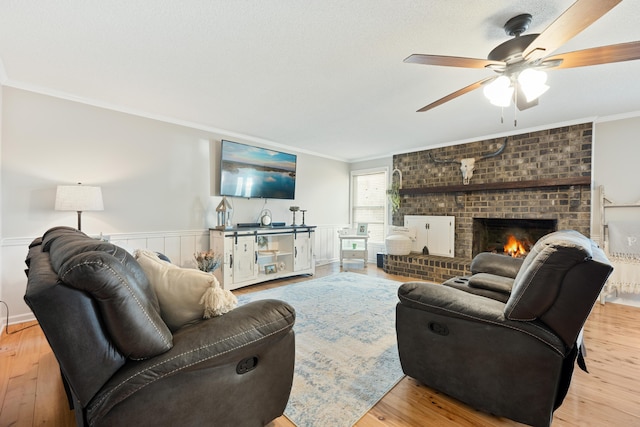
[{"x": 14, "y": 320}]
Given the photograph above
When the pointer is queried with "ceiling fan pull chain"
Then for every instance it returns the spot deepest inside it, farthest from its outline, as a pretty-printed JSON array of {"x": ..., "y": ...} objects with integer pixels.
[{"x": 515, "y": 108}]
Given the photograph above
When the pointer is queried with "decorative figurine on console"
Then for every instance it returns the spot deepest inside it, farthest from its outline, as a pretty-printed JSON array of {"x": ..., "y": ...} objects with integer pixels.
[{"x": 224, "y": 211}]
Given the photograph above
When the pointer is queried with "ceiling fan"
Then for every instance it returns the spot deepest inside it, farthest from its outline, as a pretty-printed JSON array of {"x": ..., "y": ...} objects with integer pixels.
[{"x": 520, "y": 61}]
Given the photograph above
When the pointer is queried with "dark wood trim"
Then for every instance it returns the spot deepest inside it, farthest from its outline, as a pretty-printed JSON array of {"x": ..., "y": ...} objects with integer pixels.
[{"x": 512, "y": 185}]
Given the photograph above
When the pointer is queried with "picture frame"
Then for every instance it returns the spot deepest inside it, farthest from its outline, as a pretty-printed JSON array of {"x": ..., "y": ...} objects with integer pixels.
[
  {"x": 363, "y": 229},
  {"x": 270, "y": 268}
]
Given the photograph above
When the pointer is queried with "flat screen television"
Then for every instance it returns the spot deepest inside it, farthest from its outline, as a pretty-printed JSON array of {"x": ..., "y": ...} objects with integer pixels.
[{"x": 255, "y": 172}]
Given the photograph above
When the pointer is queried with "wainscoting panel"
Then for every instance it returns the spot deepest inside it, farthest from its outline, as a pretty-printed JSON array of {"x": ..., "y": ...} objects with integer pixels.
[
  {"x": 374, "y": 249},
  {"x": 327, "y": 244},
  {"x": 178, "y": 246}
]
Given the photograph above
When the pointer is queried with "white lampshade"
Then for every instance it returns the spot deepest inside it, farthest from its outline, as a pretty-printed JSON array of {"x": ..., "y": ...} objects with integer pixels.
[
  {"x": 79, "y": 198},
  {"x": 533, "y": 83},
  {"x": 499, "y": 91}
]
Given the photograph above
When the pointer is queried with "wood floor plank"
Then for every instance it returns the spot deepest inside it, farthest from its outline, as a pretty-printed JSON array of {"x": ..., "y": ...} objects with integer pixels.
[
  {"x": 31, "y": 391},
  {"x": 19, "y": 402},
  {"x": 51, "y": 406}
]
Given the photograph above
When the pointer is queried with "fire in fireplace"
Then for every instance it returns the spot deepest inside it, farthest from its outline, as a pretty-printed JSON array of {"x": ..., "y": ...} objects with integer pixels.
[{"x": 513, "y": 237}]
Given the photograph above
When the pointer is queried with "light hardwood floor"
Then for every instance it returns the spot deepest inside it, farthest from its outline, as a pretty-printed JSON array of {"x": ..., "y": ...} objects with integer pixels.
[{"x": 31, "y": 392}]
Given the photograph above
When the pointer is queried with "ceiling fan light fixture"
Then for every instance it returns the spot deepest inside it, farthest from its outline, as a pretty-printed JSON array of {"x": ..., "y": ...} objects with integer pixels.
[
  {"x": 533, "y": 83},
  {"x": 499, "y": 91}
]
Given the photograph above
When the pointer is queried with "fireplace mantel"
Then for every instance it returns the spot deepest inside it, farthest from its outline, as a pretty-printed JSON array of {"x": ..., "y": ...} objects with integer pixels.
[{"x": 537, "y": 183}]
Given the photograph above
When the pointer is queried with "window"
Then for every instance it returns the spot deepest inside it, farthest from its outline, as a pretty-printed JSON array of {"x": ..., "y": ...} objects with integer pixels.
[{"x": 369, "y": 201}]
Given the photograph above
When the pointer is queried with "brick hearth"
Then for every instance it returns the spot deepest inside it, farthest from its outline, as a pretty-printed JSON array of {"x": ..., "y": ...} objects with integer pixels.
[{"x": 553, "y": 154}]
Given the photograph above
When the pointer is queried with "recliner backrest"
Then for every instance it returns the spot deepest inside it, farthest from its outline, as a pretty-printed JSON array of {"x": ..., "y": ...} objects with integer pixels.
[
  {"x": 558, "y": 283},
  {"x": 72, "y": 325},
  {"x": 95, "y": 306}
]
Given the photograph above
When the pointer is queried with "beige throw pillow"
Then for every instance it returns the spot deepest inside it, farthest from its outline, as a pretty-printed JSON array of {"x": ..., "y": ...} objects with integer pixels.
[{"x": 186, "y": 295}]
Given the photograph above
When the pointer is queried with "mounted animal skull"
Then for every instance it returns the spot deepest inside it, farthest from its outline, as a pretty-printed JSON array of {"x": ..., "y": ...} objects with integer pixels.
[{"x": 467, "y": 166}]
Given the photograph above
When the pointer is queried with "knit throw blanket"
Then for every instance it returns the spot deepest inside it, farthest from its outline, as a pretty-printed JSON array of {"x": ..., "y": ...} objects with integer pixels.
[{"x": 624, "y": 239}]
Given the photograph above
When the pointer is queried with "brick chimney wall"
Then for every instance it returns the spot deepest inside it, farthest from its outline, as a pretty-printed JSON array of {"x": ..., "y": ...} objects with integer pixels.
[{"x": 547, "y": 154}]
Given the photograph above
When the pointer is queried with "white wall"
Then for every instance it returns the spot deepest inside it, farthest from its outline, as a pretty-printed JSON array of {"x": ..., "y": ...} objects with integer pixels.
[
  {"x": 615, "y": 157},
  {"x": 2, "y": 314},
  {"x": 156, "y": 178},
  {"x": 616, "y": 152}
]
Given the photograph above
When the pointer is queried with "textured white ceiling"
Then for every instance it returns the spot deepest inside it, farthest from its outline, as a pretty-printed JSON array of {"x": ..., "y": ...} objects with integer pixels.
[{"x": 322, "y": 76}]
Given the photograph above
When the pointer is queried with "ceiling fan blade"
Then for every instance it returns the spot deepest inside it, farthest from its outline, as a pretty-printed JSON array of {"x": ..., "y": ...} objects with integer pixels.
[
  {"x": 451, "y": 61},
  {"x": 598, "y": 55},
  {"x": 457, "y": 93},
  {"x": 575, "y": 19}
]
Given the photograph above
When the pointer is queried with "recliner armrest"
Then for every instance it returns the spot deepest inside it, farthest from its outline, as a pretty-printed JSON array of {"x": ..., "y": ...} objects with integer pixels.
[
  {"x": 491, "y": 282},
  {"x": 500, "y": 265},
  {"x": 213, "y": 342},
  {"x": 452, "y": 302}
]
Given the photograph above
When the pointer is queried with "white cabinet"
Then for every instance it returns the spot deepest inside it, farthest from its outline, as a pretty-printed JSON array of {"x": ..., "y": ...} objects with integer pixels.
[
  {"x": 253, "y": 255},
  {"x": 437, "y": 233}
]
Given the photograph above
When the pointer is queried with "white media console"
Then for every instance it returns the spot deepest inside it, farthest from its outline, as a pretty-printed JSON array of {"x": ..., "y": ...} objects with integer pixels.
[{"x": 257, "y": 254}]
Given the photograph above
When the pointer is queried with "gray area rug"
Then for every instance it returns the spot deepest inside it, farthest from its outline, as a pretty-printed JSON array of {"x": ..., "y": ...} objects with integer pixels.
[{"x": 346, "y": 348}]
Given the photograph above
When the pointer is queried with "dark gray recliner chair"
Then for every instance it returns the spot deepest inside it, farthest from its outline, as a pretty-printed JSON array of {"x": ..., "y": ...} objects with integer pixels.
[
  {"x": 120, "y": 363},
  {"x": 512, "y": 358}
]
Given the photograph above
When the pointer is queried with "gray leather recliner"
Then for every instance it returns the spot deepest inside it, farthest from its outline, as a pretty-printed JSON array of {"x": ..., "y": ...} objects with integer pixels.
[
  {"x": 504, "y": 343},
  {"x": 120, "y": 363}
]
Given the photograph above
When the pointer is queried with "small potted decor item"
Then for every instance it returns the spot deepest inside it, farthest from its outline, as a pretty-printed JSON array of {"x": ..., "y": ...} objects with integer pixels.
[
  {"x": 208, "y": 261},
  {"x": 394, "y": 197},
  {"x": 394, "y": 192}
]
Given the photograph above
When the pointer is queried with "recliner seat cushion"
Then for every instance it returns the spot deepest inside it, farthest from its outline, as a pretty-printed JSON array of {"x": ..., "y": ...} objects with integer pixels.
[{"x": 538, "y": 282}]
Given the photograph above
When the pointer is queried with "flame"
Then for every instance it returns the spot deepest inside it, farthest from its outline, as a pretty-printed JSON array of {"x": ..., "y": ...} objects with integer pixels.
[{"x": 514, "y": 247}]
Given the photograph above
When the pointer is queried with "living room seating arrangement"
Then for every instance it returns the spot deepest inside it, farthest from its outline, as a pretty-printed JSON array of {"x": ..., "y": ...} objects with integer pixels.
[
  {"x": 122, "y": 365},
  {"x": 505, "y": 339}
]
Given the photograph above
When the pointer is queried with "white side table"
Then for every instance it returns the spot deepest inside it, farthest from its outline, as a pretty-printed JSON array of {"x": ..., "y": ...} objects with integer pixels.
[{"x": 353, "y": 246}]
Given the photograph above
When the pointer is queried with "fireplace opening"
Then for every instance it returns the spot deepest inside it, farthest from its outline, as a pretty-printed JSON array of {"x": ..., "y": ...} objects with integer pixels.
[{"x": 513, "y": 237}]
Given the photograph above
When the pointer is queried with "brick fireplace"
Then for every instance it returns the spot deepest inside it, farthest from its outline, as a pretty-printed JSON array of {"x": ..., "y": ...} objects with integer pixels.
[{"x": 542, "y": 175}]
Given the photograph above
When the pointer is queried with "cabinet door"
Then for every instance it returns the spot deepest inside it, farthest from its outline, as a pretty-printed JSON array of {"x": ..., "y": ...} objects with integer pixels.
[
  {"x": 435, "y": 232},
  {"x": 302, "y": 255},
  {"x": 224, "y": 246},
  {"x": 244, "y": 259},
  {"x": 441, "y": 235}
]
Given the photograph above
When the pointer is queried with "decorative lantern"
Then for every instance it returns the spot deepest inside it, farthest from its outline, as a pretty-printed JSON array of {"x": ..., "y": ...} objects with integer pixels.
[{"x": 224, "y": 211}]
